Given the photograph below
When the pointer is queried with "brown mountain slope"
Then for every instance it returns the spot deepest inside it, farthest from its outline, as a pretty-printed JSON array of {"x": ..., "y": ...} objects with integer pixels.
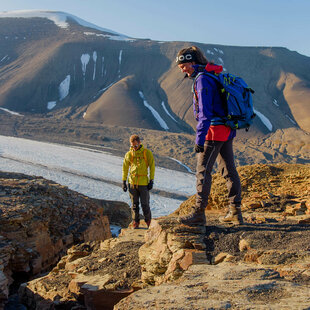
[
  {"x": 121, "y": 105},
  {"x": 297, "y": 93}
]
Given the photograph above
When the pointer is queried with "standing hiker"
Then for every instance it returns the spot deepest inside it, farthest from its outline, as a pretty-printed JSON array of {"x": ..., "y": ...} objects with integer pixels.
[
  {"x": 212, "y": 141},
  {"x": 138, "y": 160}
]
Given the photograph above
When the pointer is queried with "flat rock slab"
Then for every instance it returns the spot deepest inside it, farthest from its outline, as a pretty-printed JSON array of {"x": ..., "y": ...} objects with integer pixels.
[{"x": 224, "y": 286}]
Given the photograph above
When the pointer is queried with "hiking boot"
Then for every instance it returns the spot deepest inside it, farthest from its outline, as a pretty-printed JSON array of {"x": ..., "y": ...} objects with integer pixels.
[
  {"x": 196, "y": 217},
  {"x": 135, "y": 225},
  {"x": 233, "y": 216},
  {"x": 148, "y": 223}
]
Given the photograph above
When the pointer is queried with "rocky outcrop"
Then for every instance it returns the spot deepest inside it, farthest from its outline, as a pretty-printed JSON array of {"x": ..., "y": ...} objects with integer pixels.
[
  {"x": 95, "y": 275},
  {"x": 6, "y": 250},
  {"x": 39, "y": 221},
  {"x": 169, "y": 250}
]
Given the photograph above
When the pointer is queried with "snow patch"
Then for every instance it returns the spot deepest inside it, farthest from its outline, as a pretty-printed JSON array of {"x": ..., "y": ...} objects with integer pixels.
[
  {"x": 103, "y": 89},
  {"x": 102, "y": 66},
  {"x": 120, "y": 57},
  {"x": 161, "y": 122},
  {"x": 291, "y": 120},
  {"x": 119, "y": 62},
  {"x": 95, "y": 61},
  {"x": 221, "y": 60},
  {"x": 64, "y": 88},
  {"x": 111, "y": 37},
  {"x": 164, "y": 107},
  {"x": 84, "y": 60},
  {"x": 120, "y": 38},
  {"x": 210, "y": 52},
  {"x": 11, "y": 112},
  {"x": 179, "y": 162},
  {"x": 218, "y": 50},
  {"x": 275, "y": 102},
  {"x": 6, "y": 56},
  {"x": 264, "y": 119},
  {"x": 51, "y": 105},
  {"x": 93, "y": 34}
]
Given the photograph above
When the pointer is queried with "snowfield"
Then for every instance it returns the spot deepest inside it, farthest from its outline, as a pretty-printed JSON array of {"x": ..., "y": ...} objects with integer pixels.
[{"x": 96, "y": 174}]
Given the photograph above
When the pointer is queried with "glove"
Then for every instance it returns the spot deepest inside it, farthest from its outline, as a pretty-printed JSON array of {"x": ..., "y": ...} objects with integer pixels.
[
  {"x": 150, "y": 185},
  {"x": 124, "y": 186},
  {"x": 199, "y": 148}
]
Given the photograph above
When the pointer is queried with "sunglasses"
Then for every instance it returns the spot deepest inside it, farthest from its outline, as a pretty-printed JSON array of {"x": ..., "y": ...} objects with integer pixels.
[
  {"x": 184, "y": 57},
  {"x": 134, "y": 145}
]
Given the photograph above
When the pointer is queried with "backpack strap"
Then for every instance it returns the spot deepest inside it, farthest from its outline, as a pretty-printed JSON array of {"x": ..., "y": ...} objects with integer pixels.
[
  {"x": 221, "y": 90},
  {"x": 145, "y": 158},
  {"x": 131, "y": 157},
  {"x": 223, "y": 93},
  {"x": 194, "y": 91}
]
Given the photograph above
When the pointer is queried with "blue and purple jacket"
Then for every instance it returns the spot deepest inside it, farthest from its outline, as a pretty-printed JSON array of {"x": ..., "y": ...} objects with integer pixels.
[{"x": 207, "y": 103}]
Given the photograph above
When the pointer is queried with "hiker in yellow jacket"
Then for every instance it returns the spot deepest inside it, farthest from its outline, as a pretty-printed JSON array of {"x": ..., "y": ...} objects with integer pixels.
[{"x": 137, "y": 161}]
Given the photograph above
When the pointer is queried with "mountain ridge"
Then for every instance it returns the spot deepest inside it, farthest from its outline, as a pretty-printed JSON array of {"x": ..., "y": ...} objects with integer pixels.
[
  {"x": 34, "y": 69},
  {"x": 58, "y": 17}
]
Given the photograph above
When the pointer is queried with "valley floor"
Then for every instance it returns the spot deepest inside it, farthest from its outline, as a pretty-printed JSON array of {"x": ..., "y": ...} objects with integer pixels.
[
  {"x": 95, "y": 173},
  {"x": 291, "y": 145}
]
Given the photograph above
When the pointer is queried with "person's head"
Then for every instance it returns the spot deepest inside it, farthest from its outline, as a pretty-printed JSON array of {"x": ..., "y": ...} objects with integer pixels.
[
  {"x": 135, "y": 142},
  {"x": 187, "y": 57}
]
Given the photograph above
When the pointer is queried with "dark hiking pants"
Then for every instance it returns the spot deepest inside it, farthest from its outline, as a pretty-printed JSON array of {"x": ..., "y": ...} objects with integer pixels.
[
  {"x": 223, "y": 152},
  {"x": 141, "y": 193}
]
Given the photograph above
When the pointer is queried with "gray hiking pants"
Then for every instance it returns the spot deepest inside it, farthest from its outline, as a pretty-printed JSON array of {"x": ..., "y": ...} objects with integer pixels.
[
  {"x": 223, "y": 152},
  {"x": 141, "y": 193}
]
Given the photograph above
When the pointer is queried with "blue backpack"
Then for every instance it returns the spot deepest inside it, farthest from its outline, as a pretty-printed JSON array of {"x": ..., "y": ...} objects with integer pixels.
[{"x": 238, "y": 98}]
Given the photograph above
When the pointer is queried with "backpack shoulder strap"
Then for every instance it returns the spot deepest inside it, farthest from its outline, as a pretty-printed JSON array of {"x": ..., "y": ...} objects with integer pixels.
[
  {"x": 145, "y": 158},
  {"x": 131, "y": 157},
  {"x": 219, "y": 80},
  {"x": 194, "y": 91}
]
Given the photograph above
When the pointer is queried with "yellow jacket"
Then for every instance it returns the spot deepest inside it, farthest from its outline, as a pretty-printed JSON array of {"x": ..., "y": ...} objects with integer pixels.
[{"x": 139, "y": 161}]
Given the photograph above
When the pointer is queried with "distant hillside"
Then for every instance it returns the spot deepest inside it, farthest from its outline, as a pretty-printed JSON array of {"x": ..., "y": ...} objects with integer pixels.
[{"x": 56, "y": 64}]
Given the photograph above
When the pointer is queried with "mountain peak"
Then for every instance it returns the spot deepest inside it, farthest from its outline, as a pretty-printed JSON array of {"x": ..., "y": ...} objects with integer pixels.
[{"x": 59, "y": 18}]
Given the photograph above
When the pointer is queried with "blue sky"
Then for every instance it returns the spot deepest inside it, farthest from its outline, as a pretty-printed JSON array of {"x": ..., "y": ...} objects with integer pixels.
[{"x": 283, "y": 23}]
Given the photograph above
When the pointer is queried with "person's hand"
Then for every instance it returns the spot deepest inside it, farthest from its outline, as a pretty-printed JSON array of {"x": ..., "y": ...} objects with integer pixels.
[
  {"x": 150, "y": 185},
  {"x": 124, "y": 186},
  {"x": 199, "y": 148}
]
